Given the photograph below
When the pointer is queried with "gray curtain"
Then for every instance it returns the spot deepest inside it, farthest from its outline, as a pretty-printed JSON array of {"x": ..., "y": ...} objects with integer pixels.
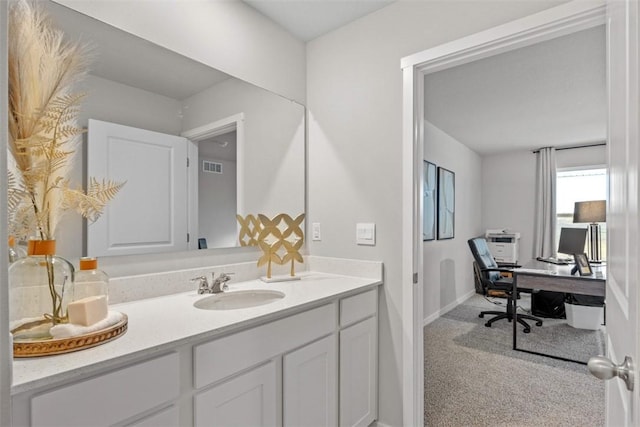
[{"x": 544, "y": 237}]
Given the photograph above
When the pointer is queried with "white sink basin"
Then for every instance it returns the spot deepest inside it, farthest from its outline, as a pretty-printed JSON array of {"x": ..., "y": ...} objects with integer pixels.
[{"x": 238, "y": 299}]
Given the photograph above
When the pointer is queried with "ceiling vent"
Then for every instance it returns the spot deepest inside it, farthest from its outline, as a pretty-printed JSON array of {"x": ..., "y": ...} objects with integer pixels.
[{"x": 211, "y": 167}]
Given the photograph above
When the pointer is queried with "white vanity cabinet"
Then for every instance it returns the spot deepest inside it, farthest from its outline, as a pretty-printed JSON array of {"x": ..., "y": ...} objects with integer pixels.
[
  {"x": 315, "y": 365},
  {"x": 107, "y": 399},
  {"x": 243, "y": 373},
  {"x": 358, "y": 359},
  {"x": 309, "y": 384},
  {"x": 249, "y": 399},
  {"x": 166, "y": 417}
]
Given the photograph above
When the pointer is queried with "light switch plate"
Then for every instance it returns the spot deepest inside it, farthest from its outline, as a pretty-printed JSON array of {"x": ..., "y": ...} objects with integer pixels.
[
  {"x": 315, "y": 232},
  {"x": 366, "y": 233}
]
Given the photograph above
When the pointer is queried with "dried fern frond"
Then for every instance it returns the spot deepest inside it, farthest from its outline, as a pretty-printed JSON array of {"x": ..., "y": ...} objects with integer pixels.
[
  {"x": 43, "y": 67},
  {"x": 22, "y": 222},
  {"x": 91, "y": 204},
  {"x": 15, "y": 191}
]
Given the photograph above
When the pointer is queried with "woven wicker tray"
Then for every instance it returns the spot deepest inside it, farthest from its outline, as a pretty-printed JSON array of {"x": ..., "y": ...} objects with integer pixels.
[{"x": 68, "y": 345}]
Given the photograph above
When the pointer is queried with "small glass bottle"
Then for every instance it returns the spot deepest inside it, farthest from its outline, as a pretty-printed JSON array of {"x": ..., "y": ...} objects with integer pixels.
[
  {"x": 13, "y": 253},
  {"x": 90, "y": 281}
]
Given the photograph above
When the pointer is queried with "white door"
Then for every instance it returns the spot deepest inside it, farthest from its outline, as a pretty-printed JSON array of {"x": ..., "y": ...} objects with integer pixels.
[
  {"x": 149, "y": 214},
  {"x": 309, "y": 380},
  {"x": 622, "y": 405}
]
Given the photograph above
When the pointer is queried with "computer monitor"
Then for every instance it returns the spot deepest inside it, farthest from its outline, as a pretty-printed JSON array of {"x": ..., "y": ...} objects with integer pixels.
[{"x": 572, "y": 240}]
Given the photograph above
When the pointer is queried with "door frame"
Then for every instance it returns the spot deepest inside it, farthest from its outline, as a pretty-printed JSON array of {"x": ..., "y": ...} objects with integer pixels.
[
  {"x": 6, "y": 346},
  {"x": 209, "y": 130},
  {"x": 548, "y": 24}
]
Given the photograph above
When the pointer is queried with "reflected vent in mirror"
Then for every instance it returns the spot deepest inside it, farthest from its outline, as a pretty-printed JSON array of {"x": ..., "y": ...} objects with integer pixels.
[{"x": 211, "y": 167}]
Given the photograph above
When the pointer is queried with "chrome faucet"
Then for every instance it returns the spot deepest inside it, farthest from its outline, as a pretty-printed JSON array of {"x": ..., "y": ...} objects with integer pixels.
[{"x": 219, "y": 284}]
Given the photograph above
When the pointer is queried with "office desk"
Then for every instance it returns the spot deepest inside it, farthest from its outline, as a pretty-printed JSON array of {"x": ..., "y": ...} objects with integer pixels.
[{"x": 538, "y": 275}]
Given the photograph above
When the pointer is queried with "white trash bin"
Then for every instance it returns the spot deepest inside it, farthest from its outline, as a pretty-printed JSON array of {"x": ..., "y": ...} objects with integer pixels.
[{"x": 584, "y": 316}]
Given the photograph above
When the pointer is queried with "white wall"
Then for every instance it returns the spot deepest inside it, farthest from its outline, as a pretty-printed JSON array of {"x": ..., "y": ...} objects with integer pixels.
[
  {"x": 5, "y": 343},
  {"x": 508, "y": 183},
  {"x": 448, "y": 271},
  {"x": 273, "y": 153},
  {"x": 117, "y": 103},
  {"x": 227, "y": 35},
  {"x": 354, "y": 95}
]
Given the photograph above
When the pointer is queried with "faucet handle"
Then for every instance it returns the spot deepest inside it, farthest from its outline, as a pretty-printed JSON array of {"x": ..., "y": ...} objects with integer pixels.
[
  {"x": 203, "y": 284},
  {"x": 221, "y": 282}
]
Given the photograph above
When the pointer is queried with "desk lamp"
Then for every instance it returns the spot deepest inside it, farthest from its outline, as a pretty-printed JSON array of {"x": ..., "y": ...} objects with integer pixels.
[{"x": 592, "y": 212}]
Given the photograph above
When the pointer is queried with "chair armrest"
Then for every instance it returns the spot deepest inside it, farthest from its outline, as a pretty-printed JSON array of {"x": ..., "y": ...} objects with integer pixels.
[
  {"x": 502, "y": 270},
  {"x": 508, "y": 265}
]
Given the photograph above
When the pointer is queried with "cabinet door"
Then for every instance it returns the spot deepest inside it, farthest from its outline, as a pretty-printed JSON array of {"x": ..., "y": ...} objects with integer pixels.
[
  {"x": 310, "y": 378},
  {"x": 358, "y": 373},
  {"x": 167, "y": 417},
  {"x": 246, "y": 400}
]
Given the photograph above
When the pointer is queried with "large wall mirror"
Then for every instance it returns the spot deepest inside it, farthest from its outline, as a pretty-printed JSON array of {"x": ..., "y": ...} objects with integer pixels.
[{"x": 245, "y": 147}]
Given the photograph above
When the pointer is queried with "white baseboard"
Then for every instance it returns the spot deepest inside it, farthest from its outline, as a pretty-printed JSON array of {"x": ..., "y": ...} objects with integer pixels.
[
  {"x": 447, "y": 308},
  {"x": 379, "y": 424}
]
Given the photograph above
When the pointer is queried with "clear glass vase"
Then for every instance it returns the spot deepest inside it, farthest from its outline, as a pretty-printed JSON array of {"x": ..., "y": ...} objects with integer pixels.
[{"x": 41, "y": 286}]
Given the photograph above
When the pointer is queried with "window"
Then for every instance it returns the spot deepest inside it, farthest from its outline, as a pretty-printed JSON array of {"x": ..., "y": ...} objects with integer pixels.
[{"x": 579, "y": 185}]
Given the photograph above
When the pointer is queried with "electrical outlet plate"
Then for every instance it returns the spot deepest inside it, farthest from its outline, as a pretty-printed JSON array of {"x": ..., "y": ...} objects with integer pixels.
[{"x": 316, "y": 236}]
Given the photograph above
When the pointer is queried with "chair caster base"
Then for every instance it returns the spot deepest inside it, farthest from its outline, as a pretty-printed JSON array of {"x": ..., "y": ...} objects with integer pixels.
[
  {"x": 526, "y": 331},
  {"x": 538, "y": 323},
  {"x": 488, "y": 325}
]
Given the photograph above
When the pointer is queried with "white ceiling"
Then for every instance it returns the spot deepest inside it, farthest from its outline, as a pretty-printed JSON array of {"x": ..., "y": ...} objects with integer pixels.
[
  {"x": 308, "y": 19},
  {"x": 548, "y": 94}
]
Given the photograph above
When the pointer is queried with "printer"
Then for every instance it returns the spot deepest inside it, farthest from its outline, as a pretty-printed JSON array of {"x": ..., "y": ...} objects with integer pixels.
[{"x": 503, "y": 245}]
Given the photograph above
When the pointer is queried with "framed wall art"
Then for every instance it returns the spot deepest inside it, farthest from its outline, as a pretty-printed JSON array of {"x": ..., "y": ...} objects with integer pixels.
[
  {"x": 430, "y": 182},
  {"x": 446, "y": 203}
]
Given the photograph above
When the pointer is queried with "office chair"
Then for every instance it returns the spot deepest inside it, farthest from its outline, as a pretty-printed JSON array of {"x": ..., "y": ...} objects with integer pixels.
[{"x": 491, "y": 278}]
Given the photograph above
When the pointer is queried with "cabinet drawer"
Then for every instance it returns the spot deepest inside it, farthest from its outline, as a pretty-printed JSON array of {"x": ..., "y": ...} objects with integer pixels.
[
  {"x": 110, "y": 398},
  {"x": 225, "y": 356},
  {"x": 358, "y": 307}
]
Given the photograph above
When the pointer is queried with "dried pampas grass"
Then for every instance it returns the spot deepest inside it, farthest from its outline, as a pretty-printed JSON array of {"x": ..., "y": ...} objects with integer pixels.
[{"x": 43, "y": 134}]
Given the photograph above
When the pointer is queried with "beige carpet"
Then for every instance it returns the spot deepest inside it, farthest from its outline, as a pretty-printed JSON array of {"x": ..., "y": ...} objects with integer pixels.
[{"x": 474, "y": 378}]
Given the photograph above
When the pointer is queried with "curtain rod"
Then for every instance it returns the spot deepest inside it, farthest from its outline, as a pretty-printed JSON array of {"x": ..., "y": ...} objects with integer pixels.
[{"x": 575, "y": 146}]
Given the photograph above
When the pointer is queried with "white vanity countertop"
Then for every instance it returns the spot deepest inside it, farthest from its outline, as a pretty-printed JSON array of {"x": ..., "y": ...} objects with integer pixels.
[{"x": 161, "y": 323}]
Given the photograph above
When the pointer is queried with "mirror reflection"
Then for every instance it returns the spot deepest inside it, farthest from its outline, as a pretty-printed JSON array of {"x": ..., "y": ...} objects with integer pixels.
[{"x": 244, "y": 144}]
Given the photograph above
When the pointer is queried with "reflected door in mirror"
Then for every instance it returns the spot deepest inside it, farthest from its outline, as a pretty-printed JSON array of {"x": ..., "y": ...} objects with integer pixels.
[{"x": 150, "y": 213}]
